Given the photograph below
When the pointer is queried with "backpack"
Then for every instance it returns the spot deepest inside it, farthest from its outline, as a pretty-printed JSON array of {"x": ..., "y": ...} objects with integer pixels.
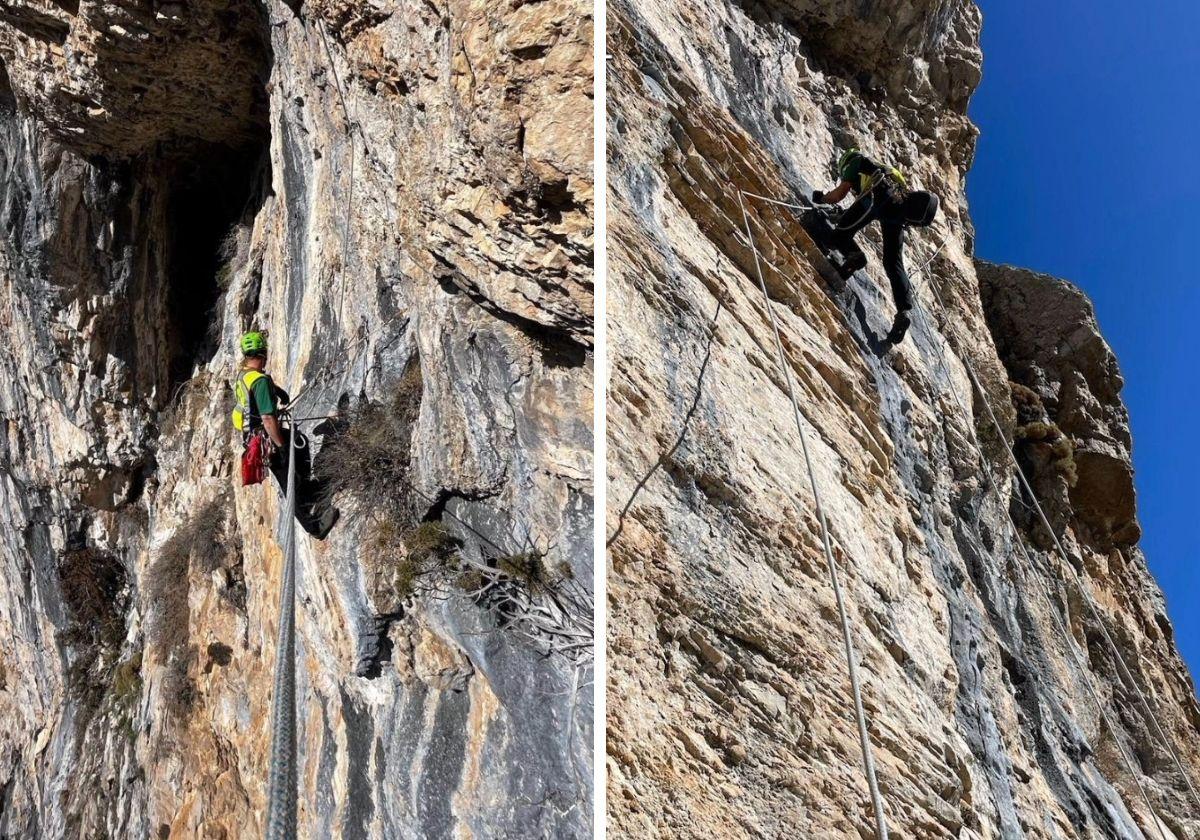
[
  {"x": 255, "y": 459},
  {"x": 920, "y": 208}
]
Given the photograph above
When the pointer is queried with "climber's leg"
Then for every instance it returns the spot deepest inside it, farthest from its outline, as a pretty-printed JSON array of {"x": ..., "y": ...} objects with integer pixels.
[
  {"x": 847, "y": 225},
  {"x": 314, "y": 511},
  {"x": 893, "y": 265},
  {"x": 314, "y": 504}
]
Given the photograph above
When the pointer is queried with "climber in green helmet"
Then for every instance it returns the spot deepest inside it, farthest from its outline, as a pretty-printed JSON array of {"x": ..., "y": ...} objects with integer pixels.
[
  {"x": 265, "y": 440},
  {"x": 256, "y": 392},
  {"x": 883, "y": 196}
]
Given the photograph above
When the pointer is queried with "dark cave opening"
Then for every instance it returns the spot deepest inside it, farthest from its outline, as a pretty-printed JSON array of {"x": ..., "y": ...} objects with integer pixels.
[
  {"x": 214, "y": 189},
  {"x": 213, "y": 195}
]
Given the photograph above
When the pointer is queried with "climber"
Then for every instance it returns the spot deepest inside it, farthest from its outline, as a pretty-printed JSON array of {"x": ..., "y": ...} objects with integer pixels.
[
  {"x": 265, "y": 440},
  {"x": 882, "y": 195}
]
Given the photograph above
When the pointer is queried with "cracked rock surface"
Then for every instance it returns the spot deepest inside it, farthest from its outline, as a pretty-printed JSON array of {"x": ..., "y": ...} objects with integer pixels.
[
  {"x": 386, "y": 188},
  {"x": 729, "y": 706}
]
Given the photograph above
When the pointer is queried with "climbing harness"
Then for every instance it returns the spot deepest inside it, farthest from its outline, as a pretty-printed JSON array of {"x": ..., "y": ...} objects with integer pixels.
[
  {"x": 864, "y": 737},
  {"x": 281, "y": 790}
]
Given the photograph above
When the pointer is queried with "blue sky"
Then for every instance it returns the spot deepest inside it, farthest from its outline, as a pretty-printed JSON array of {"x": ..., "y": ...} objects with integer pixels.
[{"x": 1088, "y": 168}]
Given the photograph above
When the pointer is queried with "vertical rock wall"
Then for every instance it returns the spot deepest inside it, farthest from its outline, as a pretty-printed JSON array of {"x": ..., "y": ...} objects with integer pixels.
[
  {"x": 730, "y": 712},
  {"x": 385, "y": 188}
]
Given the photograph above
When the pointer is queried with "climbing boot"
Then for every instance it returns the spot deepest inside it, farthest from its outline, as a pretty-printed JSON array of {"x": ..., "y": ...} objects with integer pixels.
[
  {"x": 852, "y": 263},
  {"x": 899, "y": 327}
]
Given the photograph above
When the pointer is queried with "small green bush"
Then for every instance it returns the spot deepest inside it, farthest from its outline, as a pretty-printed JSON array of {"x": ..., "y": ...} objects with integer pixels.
[
  {"x": 127, "y": 680},
  {"x": 1037, "y": 431},
  {"x": 178, "y": 687},
  {"x": 1023, "y": 397},
  {"x": 407, "y": 563},
  {"x": 126, "y": 692},
  {"x": 530, "y": 568}
]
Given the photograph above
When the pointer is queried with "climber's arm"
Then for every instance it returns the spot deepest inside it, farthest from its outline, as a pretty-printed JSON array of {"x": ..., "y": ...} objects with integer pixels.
[
  {"x": 264, "y": 401},
  {"x": 835, "y": 195},
  {"x": 271, "y": 424}
]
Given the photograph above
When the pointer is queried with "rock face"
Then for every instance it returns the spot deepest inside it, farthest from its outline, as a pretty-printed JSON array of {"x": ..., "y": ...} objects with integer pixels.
[
  {"x": 401, "y": 195},
  {"x": 996, "y": 704}
]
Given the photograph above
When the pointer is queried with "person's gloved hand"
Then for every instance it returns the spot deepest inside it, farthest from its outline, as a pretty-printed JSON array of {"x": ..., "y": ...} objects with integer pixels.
[{"x": 818, "y": 197}]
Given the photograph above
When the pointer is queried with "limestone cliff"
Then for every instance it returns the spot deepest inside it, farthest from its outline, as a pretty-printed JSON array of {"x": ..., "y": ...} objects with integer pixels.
[
  {"x": 401, "y": 195},
  {"x": 729, "y": 710}
]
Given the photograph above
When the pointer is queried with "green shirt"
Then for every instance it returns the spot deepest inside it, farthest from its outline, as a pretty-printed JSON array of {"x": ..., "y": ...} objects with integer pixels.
[{"x": 263, "y": 394}]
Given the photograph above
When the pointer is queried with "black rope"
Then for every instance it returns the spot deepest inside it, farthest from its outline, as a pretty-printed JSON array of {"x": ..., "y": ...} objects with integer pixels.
[{"x": 687, "y": 418}]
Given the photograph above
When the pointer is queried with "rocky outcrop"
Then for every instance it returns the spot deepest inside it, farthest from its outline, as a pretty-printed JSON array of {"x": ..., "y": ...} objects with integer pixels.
[
  {"x": 1046, "y": 334},
  {"x": 729, "y": 708},
  {"x": 402, "y": 197}
]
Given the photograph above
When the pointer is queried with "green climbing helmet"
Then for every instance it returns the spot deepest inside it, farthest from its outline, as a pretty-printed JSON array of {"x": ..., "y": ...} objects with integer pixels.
[
  {"x": 848, "y": 157},
  {"x": 254, "y": 344}
]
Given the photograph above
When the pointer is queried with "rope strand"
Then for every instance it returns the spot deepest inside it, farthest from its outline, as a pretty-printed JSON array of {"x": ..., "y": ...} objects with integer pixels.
[
  {"x": 281, "y": 790},
  {"x": 1125, "y": 675},
  {"x": 864, "y": 737}
]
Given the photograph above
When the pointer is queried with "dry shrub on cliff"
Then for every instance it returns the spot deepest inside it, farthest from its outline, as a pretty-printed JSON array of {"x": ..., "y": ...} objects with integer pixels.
[
  {"x": 535, "y": 599},
  {"x": 528, "y": 595},
  {"x": 232, "y": 253},
  {"x": 367, "y": 457},
  {"x": 93, "y": 586},
  {"x": 200, "y": 544},
  {"x": 1058, "y": 447},
  {"x": 96, "y": 598}
]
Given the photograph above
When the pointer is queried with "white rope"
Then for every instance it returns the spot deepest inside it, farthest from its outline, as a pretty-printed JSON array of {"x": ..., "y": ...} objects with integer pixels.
[
  {"x": 1126, "y": 677},
  {"x": 1123, "y": 670},
  {"x": 281, "y": 790},
  {"x": 1017, "y": 536},
  {"x": 881, "y": 831}
]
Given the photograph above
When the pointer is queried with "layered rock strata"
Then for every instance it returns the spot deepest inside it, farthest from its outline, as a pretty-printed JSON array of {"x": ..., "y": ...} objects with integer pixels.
[
  {"x": 729, "y": 706},
  {"x": 398, "y": 194}
]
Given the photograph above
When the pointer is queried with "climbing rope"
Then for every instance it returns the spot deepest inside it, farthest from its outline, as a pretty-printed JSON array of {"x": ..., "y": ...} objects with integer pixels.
[
  {"x": 683, "y": 429},
  {"x": 864, "y": 737},
  {"x": 1126, "y": 676},
  {"x": 1018, "y": 537},
  {"x": 1122, "y": 668},
  {"x": 281, "y": 786}
]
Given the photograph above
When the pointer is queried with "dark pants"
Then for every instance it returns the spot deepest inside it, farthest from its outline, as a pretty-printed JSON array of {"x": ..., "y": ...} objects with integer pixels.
[
  {"x": 880, "y": 207},
  {"x": 312, "y": 496}
]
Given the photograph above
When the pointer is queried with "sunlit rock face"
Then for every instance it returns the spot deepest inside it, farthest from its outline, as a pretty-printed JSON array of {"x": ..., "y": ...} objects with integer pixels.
[
  {"x": 401, "y": 195},
  {"x": 729, "y": 704}
]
